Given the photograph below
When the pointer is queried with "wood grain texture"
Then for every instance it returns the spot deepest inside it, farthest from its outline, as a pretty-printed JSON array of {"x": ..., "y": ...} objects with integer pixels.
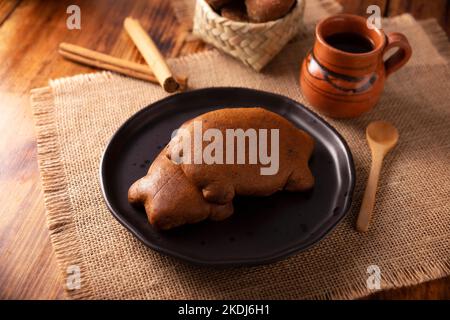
[
  {"x": 6, "y": 8},
  {"x": 360, "y": 7},
  {"x": 30, "y": 31},
  {"x": 420, "y": 9},
  {"x": 29, "y": 38}
]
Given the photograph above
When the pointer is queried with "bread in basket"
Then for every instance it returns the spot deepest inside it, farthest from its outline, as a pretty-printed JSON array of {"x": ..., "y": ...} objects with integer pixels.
[{"x": 255, "y": 44}]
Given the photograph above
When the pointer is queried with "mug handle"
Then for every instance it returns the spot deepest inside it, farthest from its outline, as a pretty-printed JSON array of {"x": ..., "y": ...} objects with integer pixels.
[{"x": 401, "y": 56}]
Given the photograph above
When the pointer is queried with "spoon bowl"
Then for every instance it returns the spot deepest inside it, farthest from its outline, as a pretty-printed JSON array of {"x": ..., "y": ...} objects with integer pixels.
[{"x": 382, "y": 135}]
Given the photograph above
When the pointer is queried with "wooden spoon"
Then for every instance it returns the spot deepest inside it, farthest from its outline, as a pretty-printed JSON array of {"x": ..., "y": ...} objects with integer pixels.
[{"x": 381, "y": 137}]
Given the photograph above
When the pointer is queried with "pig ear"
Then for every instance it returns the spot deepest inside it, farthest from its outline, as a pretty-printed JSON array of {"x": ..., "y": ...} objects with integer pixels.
[{"x": 136, "y": 194}]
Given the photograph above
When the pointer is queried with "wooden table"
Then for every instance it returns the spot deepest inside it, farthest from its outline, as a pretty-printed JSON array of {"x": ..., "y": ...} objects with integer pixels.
[{"x": 30, "y": 32}]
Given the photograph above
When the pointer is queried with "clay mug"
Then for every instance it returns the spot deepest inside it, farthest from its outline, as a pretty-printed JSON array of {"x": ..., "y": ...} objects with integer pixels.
[{"x": 344, "y": 74}]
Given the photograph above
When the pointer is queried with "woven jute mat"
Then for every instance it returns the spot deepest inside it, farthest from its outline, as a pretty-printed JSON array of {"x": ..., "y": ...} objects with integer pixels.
[{"x": 409, "y": 239}]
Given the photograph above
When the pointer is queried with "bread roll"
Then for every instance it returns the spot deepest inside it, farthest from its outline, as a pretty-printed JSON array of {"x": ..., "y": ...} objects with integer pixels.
[
  {"x": 235, "y": 11},
  {"x": 217, "y": 4},
  {"x": 267, "y": 10}
]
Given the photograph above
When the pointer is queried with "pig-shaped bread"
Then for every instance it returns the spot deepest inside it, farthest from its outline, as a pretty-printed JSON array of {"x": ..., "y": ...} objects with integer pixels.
[
  {"x": 220, "y": 154},
  {"x": 170, "y": 199}
]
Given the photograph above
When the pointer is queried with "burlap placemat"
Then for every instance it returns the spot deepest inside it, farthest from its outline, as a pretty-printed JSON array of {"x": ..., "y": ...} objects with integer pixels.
[{"x": 410, "y": 236}]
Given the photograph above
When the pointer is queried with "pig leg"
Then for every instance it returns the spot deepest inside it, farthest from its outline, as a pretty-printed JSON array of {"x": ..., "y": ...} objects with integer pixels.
[
  {"x": 221, "y": 211},
  {"x": 136, "y": 192},
  {"x": 301, "y": 179},
  {"x": 218, "y": 192}
]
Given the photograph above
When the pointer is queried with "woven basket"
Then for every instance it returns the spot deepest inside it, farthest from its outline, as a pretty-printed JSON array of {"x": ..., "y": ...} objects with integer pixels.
[{"x": 255, "y": 44}]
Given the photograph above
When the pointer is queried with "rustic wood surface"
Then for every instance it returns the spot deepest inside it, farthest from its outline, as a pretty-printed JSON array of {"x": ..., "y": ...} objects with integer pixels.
[
  {"x": 30, "y": 32},
  {"x": 420, "y": 9}
]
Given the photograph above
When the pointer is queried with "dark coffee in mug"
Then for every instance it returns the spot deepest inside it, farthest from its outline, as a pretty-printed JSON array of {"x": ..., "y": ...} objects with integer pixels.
[{"x": 350, "y": 42}]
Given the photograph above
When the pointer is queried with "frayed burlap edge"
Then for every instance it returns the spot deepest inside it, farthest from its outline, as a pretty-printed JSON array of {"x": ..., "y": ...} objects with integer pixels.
[
  {"x": 432, "y": 29},
  {"x": 437, "y": 36},
  {"x": 63, "y": 232},
  {"x": 396, "y": 279}
]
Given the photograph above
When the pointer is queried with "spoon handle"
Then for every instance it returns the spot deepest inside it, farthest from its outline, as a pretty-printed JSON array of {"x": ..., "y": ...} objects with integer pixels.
[{"x": 368, "y": 202}]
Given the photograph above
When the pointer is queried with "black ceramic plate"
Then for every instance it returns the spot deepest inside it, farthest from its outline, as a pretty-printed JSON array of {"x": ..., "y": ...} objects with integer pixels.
[{"x": 262, "y": 229}]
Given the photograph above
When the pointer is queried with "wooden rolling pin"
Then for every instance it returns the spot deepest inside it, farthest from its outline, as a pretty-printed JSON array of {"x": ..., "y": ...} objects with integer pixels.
[{"x": 151, "y": 55}]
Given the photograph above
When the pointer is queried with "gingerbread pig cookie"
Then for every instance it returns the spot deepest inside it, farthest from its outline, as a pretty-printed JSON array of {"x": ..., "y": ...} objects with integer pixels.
[{"x": 220, "y": 154}]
